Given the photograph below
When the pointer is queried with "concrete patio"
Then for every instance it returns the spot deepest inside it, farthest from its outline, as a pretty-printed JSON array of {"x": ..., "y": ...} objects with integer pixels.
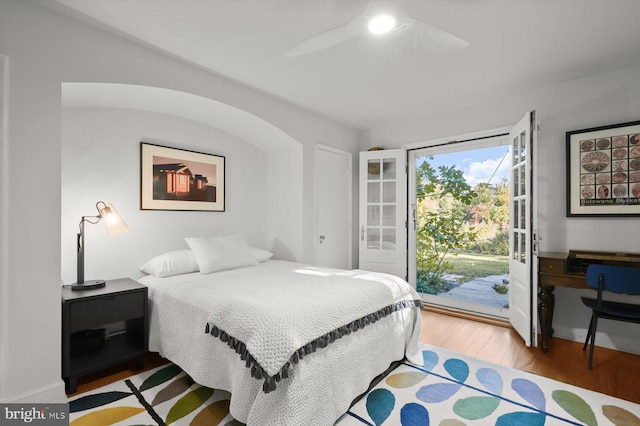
[{"x": 479, "y": 290}]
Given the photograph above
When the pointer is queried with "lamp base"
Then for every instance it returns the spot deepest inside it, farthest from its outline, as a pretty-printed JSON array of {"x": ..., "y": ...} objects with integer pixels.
[{"x": 88, "y": 285}]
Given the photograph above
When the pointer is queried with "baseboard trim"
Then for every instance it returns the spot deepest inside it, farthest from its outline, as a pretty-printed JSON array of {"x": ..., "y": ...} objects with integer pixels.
[
  {"x": 467, "y": 315},
  {"x": 615, "y": 342},
  {"x": 54, "y": 393}
]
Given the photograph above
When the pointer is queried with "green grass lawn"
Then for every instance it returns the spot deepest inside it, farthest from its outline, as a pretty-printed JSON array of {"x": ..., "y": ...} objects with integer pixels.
[{"x": 473, "y": 265}]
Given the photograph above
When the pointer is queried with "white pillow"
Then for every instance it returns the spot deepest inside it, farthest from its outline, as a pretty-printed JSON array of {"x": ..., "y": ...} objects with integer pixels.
[
  {"x": 221, "y": 253},
  {"x": 260, "y": 254},
  {"x": 172, "y": 263}
]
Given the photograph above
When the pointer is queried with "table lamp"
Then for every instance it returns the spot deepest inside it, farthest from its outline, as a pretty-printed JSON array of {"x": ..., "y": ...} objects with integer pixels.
[{"x": 114, "y": 224}]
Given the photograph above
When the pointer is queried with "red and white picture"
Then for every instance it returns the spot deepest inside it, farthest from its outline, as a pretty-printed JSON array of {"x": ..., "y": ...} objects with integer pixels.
[{"x": 178, "y": 179}]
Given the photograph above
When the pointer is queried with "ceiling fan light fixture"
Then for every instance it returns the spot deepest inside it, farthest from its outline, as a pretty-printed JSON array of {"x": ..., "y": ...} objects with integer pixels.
[
  {"x": 381, "y": 24},
  {"x": 383, "y": 18}
]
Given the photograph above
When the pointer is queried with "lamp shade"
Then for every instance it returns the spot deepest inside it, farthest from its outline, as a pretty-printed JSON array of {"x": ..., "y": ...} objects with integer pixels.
[{"x": 112, "y": 220}]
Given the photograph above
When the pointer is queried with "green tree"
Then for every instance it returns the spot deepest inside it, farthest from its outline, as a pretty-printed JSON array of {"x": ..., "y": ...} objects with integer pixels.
[
  {"x": 501, "y": 214},
  {"x": 490, "y": 217},
  {"x": 443, "y": 203}
]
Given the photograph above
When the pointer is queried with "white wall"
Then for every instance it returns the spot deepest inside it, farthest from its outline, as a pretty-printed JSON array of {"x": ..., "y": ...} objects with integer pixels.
[
  {"x": 595, "y": 101},
  {"x": 4, "y": 222},
  {"x": 101, "y": 161},
  {"x": 285, "y": 193},
  {"x": 44, "y": 50}
]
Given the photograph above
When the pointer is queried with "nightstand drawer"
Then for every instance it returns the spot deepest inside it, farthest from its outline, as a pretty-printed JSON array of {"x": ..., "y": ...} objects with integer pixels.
[
  {"x": 106, "y": 309},
  {"x": 552, "y": 266}
]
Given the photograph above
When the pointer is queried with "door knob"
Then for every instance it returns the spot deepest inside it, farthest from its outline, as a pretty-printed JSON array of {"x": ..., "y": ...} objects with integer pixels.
[{"x": 321, "y": 239}]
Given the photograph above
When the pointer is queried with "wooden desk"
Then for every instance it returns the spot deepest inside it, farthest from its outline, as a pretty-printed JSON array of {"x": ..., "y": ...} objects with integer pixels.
[
  {"x": 552, "y": 271},
  {"x": 568, "y": 270}
]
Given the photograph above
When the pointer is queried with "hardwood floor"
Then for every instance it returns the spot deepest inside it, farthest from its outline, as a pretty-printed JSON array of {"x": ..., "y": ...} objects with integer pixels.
[
  {"x": 114, "y": 374},
  {"x": 614, "y": 373}
]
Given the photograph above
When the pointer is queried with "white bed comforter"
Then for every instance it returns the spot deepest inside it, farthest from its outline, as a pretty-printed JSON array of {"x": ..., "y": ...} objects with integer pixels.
[{"x": 308, "y": 302}]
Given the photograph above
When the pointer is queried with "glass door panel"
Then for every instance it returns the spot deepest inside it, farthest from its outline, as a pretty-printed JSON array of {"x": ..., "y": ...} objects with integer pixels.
[
  {"x": 373, "y": 238},
  {"x": 373, "y": 169},
  {"x": 389, "y": 192},
  {"x": 389, "y": 239},
  {"x": 373, "y": 192},
  {"x": 389, "y": 216},
  {"x": 389, "y": 168}
]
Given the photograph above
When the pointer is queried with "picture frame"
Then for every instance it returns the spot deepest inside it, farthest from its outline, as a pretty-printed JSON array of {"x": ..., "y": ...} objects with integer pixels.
[
  {"x": 603, "y": 170},
  {"x": 179, "y": 179}
]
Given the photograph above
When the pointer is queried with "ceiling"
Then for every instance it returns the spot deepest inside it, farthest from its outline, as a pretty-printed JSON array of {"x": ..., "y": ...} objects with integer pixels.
[{"x": 514, "y": 46}]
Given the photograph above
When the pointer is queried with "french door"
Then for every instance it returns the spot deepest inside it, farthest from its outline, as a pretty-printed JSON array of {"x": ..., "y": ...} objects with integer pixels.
[
  {"x": 523, "y": 269},
  {"x": 383, "y": 214},
  {"x": 522, "y": 306}
]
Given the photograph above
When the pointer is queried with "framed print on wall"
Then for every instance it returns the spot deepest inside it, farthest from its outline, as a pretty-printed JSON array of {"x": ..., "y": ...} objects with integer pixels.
[
  {"x": 603, "y": 171},
  {"x": 177, "y": 179}
]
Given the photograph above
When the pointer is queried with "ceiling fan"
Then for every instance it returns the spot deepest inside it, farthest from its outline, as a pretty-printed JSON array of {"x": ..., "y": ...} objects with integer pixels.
[{"x": 384, "y": 18}]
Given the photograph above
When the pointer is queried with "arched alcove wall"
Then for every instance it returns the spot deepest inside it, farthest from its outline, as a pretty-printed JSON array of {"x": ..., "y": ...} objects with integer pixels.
[{"x": 102, "y": 125}]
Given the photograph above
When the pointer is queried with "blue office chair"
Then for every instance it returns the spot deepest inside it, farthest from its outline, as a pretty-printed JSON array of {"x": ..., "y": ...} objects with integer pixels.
[{"x": 614, "y": 279}]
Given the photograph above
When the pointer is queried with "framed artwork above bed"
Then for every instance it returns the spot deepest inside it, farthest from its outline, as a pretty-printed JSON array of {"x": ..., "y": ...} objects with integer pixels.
[{"x": 178, "y": 179}]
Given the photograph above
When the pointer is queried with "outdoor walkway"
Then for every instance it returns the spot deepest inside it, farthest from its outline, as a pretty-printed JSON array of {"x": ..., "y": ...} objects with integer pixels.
[{"x": 480, "y": 290}]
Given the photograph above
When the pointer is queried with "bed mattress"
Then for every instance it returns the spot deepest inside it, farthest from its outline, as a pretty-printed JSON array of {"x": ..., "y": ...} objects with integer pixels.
[{"x": 293, "y": 305}]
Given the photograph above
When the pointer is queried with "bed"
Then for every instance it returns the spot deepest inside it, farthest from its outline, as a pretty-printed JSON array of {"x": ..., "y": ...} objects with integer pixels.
[{"x": 293, "y": 344}]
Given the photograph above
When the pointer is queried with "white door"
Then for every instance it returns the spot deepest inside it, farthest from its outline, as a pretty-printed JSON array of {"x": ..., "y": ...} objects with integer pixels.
[
  {"x": 383, "y": 212},
  {"x": 333, "y": 208},
  {"x": 522, "y": 245}
]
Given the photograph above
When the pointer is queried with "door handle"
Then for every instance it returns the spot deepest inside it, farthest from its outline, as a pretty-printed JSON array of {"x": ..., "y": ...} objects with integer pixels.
[
  {"x": 321, "y": 239},
  {"x": 415, "y": 217},
  {"x": 362, "y": 233}
]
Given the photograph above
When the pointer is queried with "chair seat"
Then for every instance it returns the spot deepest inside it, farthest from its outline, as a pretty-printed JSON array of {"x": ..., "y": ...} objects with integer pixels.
[{"x": 614, "y": 309}]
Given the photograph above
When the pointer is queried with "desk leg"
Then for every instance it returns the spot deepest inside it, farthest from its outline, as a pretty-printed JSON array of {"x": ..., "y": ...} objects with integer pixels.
[{"x": 546, "y": 302}]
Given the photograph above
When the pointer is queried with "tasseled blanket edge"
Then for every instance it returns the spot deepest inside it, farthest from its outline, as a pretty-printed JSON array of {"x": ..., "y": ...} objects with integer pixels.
[{"x": 269, "y": 384}]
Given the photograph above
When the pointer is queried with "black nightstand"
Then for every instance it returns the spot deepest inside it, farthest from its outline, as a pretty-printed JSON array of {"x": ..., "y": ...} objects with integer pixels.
[{"x": 86, "y": 346}]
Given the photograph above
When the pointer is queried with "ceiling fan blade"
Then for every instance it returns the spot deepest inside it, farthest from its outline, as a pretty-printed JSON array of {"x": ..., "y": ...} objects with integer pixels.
[
  {"x": 329, "y": 38},
  {"x": 431, "y": 38}
]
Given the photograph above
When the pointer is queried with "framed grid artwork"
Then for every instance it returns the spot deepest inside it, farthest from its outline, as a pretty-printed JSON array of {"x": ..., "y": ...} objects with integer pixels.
[{"x": 603, "y": 170}]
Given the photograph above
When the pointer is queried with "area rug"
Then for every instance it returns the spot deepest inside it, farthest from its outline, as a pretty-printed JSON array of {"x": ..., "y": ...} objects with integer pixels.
[
  {"x": 163, "y": 396},
  {"x": 455, "y": 390},
  {"x": 448, "y": 390}
]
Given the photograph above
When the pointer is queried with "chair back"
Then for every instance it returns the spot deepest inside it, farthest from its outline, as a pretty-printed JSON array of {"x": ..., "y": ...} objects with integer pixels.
[{"x": 616, "y": 279}]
